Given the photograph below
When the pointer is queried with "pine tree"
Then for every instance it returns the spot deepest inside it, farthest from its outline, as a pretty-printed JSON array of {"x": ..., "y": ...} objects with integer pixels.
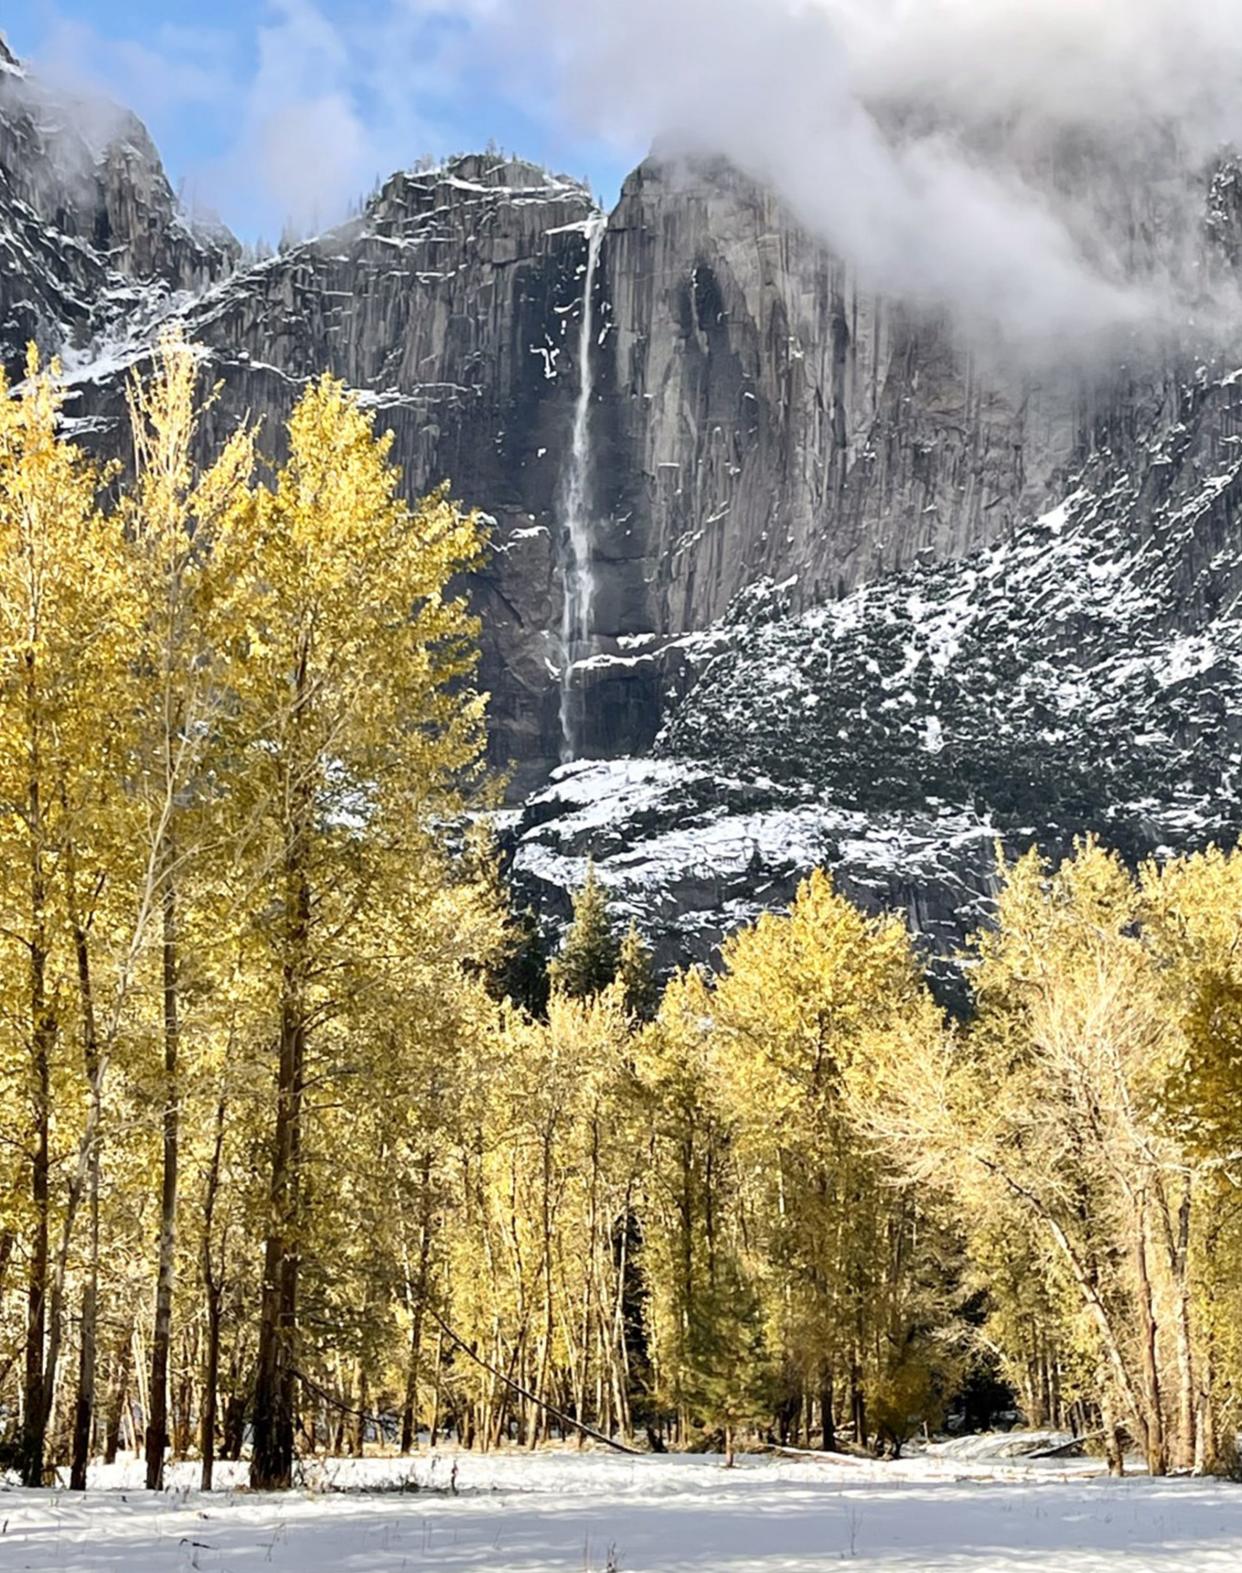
[
  {"x": 636, "y": 975},
  {"x": 589, "y": 956},
  {"x": 520, "y": 968}
]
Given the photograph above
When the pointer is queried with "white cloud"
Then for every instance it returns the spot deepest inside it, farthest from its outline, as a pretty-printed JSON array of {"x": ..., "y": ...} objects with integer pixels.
[
  {"x": 1108, "y": 63},
  {"x": 305, "y": 113},
  {"x": 177, "y": 67},
  {"x": 1020, "y": 162},
  {"x": 303, "y": 137},
  {"x": 313, "y": 154},
  {"x": 997, "y": 157}
]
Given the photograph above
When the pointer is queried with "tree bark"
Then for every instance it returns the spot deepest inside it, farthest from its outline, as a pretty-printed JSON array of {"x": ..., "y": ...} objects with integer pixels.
[
  {"x": 161, "y": 1333},
  {"x": 409, "y": 1411},
  {"x": 827, "y": 1422},
  {"x": 1112, "y": 1439},
  {"x": 1177, "y": 1242},
  {"x": 84, "y": 1411},
  {"x": 271, "y": 1459},
  {"x": 36, "y": 1377},
  {"x": 120, "y": 1398},
  {"x": 213, "y": 1295},
  {"x": 1153, "y": 1407},
  {"x": 84, "y": 1408}
]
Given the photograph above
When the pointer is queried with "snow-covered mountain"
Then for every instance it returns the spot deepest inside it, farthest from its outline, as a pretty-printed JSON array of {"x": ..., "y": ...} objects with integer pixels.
[
  {"x": 859, "y": 593},
  {"x": 91, "y": 235}
]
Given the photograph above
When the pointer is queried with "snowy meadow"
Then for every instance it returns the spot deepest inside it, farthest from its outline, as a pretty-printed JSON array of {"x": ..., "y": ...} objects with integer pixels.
[{"x": 962, "y": 1507}]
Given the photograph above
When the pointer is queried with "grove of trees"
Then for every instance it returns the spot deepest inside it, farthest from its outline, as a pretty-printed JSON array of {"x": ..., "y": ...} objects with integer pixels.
[{"x": 302, "y": 1148}]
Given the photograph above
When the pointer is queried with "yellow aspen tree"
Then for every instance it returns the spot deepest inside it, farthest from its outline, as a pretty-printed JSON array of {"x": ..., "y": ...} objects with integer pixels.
[
  {"x": 1050, "y": 1104},
  {"x": 58, "y": 588},
  {"x": 801, "y": 1001},
  {"x": 699, "y": 1306},
  {"x": 356, "y": 725},
  {"x": 1192, "y": 922},
  {"x": 173, "y": 513}
]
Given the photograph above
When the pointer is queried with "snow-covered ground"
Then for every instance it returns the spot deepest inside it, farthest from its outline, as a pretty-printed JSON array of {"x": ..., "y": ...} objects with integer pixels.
[{"x": 959, "y": 1508}]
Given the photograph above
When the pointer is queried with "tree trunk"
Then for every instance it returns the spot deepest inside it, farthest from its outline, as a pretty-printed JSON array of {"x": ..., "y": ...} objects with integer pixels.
[
  {"x": 1206, "y": 1453},
  {"x": 1177, "y": 1239},
  {"x": 858, "y": 1403},
  {"x": 234, "y": 1427},
  {"x": 161, "y": 1334},
  {"x": 120, "y": 1398},
  {"x": 271, "y": 1459},
  {"x": 271, "y": 1463},
  {"x": 84, "y": 1411},
  {"x": 38, "y": 1380},
  {"x": 409, "y": 1408},
  {"x": 828, "y": 1424},
  {"x": 183, "y": 1405},
  {"x": 1112, "y": 1439},
  {"x": 409, "y": 1412},
  {"x": 212, "y": 1294},
  {"x": 435, "y": 1396},
  {"x": 539, "y": 1420},
  {"x": 1152, "y": 1411}
]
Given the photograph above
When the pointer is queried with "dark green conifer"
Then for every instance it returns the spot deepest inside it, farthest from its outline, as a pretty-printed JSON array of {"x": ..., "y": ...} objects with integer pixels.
[
  {"x": 636, "y": 974},
  {"x": 589, "y": 956}
]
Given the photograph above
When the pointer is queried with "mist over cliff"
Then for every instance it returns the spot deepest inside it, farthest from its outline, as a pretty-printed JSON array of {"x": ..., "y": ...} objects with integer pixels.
[{"x": 1034, "y": 168}]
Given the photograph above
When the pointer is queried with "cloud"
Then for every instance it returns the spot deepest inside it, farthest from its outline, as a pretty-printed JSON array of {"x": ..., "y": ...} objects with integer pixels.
[
  {"x": 303, "y": 139},
  {"x": 313, "y": 155},
  {"x": 334, "y": 107},
  {"x": 1104, "y": 63},
  {"x": 994, "y": 157},
  {"x": 287, "y": 123},
  {"x": 1032, "y": 165},
  {"x": 177, "y": 67}
]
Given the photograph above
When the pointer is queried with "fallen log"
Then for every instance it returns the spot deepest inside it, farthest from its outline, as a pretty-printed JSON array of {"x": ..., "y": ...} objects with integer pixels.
[
  {"x": 1064, "y": 1449},
  {"x": 817, "y": 1455},
  {"x": 557, "y": 1414}
]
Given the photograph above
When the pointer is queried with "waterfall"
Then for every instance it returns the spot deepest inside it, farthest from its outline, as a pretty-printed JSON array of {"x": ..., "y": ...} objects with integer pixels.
[{"x": 577, "y": 574}]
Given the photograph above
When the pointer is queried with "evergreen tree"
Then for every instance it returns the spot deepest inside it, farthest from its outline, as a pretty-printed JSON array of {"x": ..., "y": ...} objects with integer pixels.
[
  {"x": 731, "y": 1381},
  {"x": 520, "y": 969},
  {"x": 636, "y": 975},
  {"x": 588, "y": 959}
]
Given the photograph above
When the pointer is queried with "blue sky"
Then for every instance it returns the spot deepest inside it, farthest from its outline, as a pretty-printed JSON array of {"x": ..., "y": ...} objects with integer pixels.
[{"x": 268, "y": 110}]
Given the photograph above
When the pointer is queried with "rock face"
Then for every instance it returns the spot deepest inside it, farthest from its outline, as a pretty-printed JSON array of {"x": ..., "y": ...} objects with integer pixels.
[
  {"x": 1081, "y": 675},
  {"x": 842, "y": 610},
  {"x": 87, "y": 221},
  {"x": 781, "y": 419},
  {"x": 451, "y": 303}
]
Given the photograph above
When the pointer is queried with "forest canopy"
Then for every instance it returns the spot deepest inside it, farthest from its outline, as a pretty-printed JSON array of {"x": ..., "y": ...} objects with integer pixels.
[{"x": 303, "y": 1147}]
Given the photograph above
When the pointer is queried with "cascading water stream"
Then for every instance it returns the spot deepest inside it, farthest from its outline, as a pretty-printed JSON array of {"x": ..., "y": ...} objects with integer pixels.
[{"x": 577, "y": 571}]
